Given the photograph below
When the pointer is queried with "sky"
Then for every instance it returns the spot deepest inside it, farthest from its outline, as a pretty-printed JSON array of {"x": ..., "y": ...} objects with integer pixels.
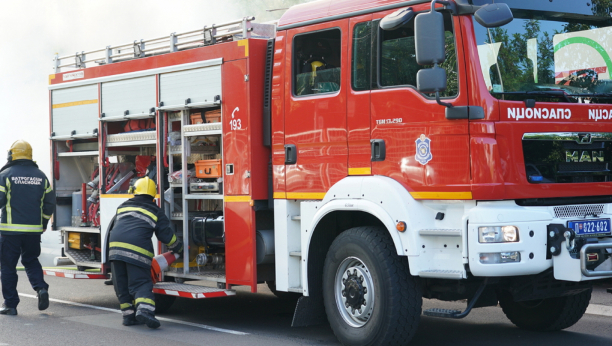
[{"x": 33, "y": 31}]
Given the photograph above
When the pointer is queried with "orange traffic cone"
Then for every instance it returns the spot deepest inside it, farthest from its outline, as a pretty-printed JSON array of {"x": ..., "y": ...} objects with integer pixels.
[{"x": 161, "y": 263}]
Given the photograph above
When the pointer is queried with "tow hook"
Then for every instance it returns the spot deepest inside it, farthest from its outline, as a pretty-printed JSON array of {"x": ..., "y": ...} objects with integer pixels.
[{"x": 570, "y": 239}]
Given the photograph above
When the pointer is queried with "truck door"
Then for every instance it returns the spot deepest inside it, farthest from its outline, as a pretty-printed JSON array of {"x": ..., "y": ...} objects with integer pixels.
[
  {"x": 360, "y": 48},
  {"x": 426, "y": 152},
  {"x": 315, "y": 109}
]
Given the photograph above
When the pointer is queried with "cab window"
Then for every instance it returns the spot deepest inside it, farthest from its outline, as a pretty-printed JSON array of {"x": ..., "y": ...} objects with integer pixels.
[
  {"x": 397, "y": 57},
  {"x": 316, "y": 62}
]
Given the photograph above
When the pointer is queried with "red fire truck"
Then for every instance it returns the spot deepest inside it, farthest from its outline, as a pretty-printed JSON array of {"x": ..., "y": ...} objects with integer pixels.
[{"x": 358, "y": 154}]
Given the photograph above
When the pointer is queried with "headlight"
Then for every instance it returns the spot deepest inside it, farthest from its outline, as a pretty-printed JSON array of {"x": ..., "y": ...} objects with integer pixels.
[{"x": 498, "y": 234}]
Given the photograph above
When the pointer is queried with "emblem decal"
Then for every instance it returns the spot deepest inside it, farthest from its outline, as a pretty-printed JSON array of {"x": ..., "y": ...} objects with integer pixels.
[{"x": 423, "y": 150}]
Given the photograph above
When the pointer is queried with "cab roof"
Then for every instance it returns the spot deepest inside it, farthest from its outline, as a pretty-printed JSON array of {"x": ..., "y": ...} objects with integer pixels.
[{"x": 319, "y": 10}]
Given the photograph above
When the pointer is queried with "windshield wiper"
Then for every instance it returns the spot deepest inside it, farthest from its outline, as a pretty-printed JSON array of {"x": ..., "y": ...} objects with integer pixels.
[
  {"x": 554, "y": 93},
  {"x": 599, "y": 95}
]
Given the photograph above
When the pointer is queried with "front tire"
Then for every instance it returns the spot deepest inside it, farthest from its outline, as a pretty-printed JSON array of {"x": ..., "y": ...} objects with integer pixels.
[
  {"x": 550, "y": 314},
  {"x": 370, "y": 297}
]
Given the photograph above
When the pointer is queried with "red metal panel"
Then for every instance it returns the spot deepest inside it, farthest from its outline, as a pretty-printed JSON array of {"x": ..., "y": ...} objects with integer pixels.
[
  {"x": 260, "y": 155},
  {"x": 236, "y": 127},
  {"x": 228, "y": 51},
  {"x": 240, "y": 256},
  {"x": 358, "y": 113},
  {"x": 278, "y": 116},
  {"x": 316, "y": 125},
  {"x": 449, "y": 168}
]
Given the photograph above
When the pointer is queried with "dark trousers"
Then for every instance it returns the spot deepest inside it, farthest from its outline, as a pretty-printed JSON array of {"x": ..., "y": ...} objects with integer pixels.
[
  {"x": 11, "y": 248},
  {"x": 133, "y": 285}
]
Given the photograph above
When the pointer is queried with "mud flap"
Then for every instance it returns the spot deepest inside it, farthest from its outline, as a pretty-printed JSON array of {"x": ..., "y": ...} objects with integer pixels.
[{"x": 309, "y": 311}]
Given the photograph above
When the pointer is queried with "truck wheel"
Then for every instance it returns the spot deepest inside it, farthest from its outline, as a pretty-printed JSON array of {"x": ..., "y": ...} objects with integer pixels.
[
  {"x": 370, "y": 297},
  {"x": 550, "y": 314},
  {"x": 163, "y": 302}
]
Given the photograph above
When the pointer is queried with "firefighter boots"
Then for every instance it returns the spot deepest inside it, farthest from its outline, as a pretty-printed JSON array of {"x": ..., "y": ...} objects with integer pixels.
[
  {"x": 130, "y": 320},
  {"x": 147, "y": 318},
  {"x": 43, "y": 299},
  {"x": 8, "y": 311}
]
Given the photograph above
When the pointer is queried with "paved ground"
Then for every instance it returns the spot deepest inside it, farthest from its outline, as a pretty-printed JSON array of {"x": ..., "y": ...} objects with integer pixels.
[
  {"x": 86, "y": 315},
  {"x": 84, "y": 312}
]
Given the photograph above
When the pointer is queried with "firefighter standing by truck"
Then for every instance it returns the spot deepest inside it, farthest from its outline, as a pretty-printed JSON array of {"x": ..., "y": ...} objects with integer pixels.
[
  {"x": 131, "y": 252},
  {"x": 28, "y": 201}
]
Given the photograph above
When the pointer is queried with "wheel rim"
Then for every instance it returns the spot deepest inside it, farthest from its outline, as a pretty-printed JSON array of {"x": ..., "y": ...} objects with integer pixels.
[{"x": 354, "y": 292}]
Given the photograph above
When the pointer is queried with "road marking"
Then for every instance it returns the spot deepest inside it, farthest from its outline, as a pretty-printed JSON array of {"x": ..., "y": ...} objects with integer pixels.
[
  {"x": 197, "y": 325},
  {"x": 598, "y": 309}
]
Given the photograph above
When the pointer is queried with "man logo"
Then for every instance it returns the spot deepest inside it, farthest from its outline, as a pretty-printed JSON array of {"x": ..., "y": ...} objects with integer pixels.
[
  {"x": 594, "y": 156},
  {"x": 584, "y": 138}
]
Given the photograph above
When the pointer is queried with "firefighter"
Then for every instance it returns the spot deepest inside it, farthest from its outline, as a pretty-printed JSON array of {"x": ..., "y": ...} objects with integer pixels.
[
  {"x": 28, "y": 201},
  {"x": 131, "y": 252}
]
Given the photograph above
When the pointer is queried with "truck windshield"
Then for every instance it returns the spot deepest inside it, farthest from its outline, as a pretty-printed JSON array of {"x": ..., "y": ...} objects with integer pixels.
[{"x": 549, "y": 56}]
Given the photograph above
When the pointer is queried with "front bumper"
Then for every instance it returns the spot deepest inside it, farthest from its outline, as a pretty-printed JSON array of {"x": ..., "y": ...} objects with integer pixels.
[{"x": 533, "y": 244}]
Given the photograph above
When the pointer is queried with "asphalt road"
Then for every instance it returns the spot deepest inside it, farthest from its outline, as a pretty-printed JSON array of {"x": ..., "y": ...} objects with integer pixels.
[{"x": 88, "y": 315}]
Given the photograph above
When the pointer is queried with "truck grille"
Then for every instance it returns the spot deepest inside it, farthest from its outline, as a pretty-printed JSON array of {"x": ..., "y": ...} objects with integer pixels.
[
  {"x": 567, "y": 157},
  {"x": 569, "y": 211}
]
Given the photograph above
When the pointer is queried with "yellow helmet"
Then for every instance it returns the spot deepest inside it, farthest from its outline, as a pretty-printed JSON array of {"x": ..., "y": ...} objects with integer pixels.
[
  {"x": 20, "y": 150},
  {"x": 145, "y": 186}
]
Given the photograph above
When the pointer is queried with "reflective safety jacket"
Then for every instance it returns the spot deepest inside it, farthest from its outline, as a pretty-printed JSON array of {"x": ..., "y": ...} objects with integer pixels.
[
  {"x": 135, "y": 222},
  {"x": 27, "y": 198}
]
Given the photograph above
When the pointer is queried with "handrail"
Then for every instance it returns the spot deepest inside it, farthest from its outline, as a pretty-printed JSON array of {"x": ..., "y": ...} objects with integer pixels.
[{"x": 165, "y": 44}]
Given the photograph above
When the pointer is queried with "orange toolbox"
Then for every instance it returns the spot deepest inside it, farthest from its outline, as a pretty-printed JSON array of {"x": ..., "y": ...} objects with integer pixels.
[
  {"x": 213, "y": 116},
  {"x": 208, "y": 168},
  {"x": 196, "y": 118}
]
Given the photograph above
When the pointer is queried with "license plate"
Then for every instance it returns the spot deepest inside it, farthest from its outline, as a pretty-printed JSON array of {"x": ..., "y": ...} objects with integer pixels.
[{"x": 592, "y": 228}]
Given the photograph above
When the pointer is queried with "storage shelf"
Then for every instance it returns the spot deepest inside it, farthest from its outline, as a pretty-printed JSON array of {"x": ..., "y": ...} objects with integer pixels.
[
  {"x": 78, "y": 153},
  {"x": 81, "y": 229},
  {"x": 203, "y": 133},
  {"x": 203, "y": 196},
  {"x": 132, "y": 143}
]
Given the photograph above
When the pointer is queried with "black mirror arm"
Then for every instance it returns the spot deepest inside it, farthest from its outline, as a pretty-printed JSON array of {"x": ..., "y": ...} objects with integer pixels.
[{"x": 445, "y": 104}]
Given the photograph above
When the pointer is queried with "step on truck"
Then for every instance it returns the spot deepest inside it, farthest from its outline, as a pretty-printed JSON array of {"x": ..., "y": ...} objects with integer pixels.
[{"x": 358, "y": 155}]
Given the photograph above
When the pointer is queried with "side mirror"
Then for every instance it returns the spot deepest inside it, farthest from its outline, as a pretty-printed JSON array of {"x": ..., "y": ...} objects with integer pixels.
[
  {"x": 397, "y": 19},
  {"x": 431, "y": 80},
  {"x": 429, "y": 38},
  {"x": 493, "y": 15}
]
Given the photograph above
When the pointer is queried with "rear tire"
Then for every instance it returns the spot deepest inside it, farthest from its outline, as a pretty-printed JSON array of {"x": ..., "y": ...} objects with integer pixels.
[
  {"x": 550, "y": 314},
  {"x": 370, "y": 297},
  {"x": 163, "y": 302}
]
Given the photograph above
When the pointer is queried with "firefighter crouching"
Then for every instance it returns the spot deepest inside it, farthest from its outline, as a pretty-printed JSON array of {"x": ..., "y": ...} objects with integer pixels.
[
  {"x": 28, "y": 201},
  {"x": 131, "y": 252}
]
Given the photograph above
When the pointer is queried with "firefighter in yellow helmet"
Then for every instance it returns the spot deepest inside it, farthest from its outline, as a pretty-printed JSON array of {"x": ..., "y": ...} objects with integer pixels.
[
  {"x": 131, "y": 252},
  {"x": 24, "y": 218}
]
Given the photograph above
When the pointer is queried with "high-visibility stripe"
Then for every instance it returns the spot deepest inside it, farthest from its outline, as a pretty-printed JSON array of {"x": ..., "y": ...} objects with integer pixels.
[
  {"x": 279, "y": 195},
  {"x": 441, "y": 195},
  {"x": 244, "y": 43},
  {"x": 131, "y": 247},
  {"x": 237, "y": 198},
  {"x": 140, "y": 210},
  {"x": 9, "y": 211},
  {"x": 125, "y": 306},
  {"x": 46, "y": 216},
  {"x": 50, "y": 189},
  {"x": 42, "y": 202},
  {"x": 75, "y": 103},
  {"x": 173, "y": 240},
  {"x": 2, "y": 189},
  {"x": 305, "y": 195},
  {"x": 360, "y": 171},
  {"x": 21, "y": 228},
  {"x": 145, "y": 300}
]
